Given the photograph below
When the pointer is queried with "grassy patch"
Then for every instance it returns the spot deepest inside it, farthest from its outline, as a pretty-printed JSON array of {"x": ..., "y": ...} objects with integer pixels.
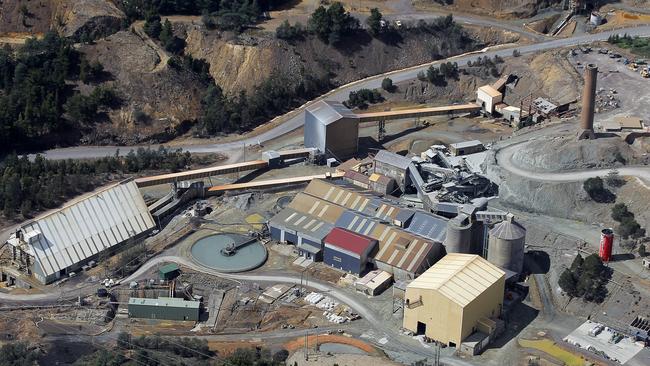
[
  {"x": 639, "y": 46},
  {"x": 551, "y": 348}
]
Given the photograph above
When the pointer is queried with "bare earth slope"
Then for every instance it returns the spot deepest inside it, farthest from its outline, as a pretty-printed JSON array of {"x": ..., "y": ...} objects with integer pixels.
[{"x": 497, "y": 8}]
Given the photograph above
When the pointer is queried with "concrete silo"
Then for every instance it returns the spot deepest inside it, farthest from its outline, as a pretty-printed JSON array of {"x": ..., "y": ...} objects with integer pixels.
[
  {"x": 459, "y": 235},
  {"x": 506, "y": 245}
]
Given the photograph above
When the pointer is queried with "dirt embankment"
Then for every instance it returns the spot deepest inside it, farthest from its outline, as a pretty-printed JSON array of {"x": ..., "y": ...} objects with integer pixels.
[
  {"x": 243, "y": 62},
  {"x": 90, "y": 19},
  {"x": 31, "y": 17},
  {"x": 156, "y": 105},
  {"x": 563, "y": 153},
  {"x": 497, "y": 8},
  {"x": 72, "y": 18},
  {"x": 569, "y": 200}
]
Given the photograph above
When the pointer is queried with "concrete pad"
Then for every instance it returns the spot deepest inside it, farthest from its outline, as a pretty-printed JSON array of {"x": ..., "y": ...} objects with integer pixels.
[{"x": 622, "y": 351}]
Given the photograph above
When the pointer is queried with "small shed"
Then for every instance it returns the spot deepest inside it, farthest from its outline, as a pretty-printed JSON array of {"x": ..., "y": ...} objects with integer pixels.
[
  {"x": 169, "y": 271},
  {"x": 374, "y": 282},
  {"x": 466, "y": 147},
  {"x": 347, "y": 250}
]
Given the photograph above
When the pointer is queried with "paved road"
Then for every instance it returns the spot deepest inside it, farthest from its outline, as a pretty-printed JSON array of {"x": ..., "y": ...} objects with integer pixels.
[
  {"x": 295, "y": 118},
  {"x": 504, "y": 160}
]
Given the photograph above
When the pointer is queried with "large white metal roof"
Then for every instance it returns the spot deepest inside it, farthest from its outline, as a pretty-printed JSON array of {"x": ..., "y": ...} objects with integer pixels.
[
  {"x": 327, "y": 111},
  {"x": 86, "y": 227},
  {"x": 459, "y": 277}
]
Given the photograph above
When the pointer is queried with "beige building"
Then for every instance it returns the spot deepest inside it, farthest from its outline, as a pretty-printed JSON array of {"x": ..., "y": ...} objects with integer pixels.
[
  {"x": 452, "y": 299},
  {"x": 488, "y": 97}
]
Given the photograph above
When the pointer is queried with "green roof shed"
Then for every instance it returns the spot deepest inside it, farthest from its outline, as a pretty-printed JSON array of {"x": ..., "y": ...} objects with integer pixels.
[{"x": 169, "y": 271}]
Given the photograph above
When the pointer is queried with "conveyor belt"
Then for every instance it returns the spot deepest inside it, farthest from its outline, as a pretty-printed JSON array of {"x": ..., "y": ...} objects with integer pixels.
[
  {"x": 218, "y": 170},
  {"x": 271, "y": 183},
  {"x": 418, "y": 112},
  {"x": 200, "y": 173}
]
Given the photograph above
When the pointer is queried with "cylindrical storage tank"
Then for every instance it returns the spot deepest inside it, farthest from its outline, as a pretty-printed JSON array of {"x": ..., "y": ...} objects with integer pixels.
[
  {"x": 606, "y": 244},
  {"x": 506, "y": 245},
  {"x": 596, "y": 19},
  {"x": 589, "y": 97},
  {"x": 459, "y": 235}
]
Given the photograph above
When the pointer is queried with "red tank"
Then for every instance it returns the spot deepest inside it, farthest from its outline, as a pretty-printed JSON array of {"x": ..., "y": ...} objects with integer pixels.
[{"x": 606, "y": 244}]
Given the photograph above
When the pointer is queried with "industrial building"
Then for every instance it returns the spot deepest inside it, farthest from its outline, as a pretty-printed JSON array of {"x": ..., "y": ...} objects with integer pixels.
[
  {"x": 488, "y": 97},
  {"x": 166, "y": 308},
  {"x": 408, "y": 241},
  {"x": 332, "y": 128},
  {"x": 61, "y": 242},
  {"x": 347, "y": 250},
  {"x": 459, "y": 295},
  {"x": 394, "y": 166}
]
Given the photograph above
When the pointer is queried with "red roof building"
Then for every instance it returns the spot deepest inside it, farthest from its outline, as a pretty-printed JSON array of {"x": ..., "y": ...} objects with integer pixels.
[{"x": 347, "y": 250}]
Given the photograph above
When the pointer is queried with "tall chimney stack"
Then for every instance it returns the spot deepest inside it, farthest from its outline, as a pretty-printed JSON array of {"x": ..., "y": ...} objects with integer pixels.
[{"x": 588, "y": 101}]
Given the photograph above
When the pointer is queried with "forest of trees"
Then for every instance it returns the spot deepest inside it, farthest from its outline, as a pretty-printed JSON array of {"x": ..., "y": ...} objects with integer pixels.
[
  {"x": 30, "y": 186},
  {"x": 276, "y": 95},
  {"x": 37, "y": 105},
  {"x": 223, "y": 14},
  {"x": 333, "y": 23}
]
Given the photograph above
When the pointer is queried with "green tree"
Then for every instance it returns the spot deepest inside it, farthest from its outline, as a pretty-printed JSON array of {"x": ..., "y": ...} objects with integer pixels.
[
  {"x": 576, "y": 264},
  {"x": 620, "y": 212},
  {"x": 152, "y": 26},
  {"x": 387, "y": 84},
  {"x": 124, "y": 340},
  {"x": 166, "y": 33},
  {"x": 374, "y": 21},
  {"x": 568, "y": 283},
  {"x": 642, "y": 250},
  {"x": 18, "y": 354},
  {"x": 597, "y": 191}
]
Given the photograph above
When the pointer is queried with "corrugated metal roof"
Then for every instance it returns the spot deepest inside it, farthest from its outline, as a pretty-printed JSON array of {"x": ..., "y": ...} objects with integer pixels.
[
  {"x": 459, "y": 277},
  {"x": 508, "y": 230},
  {"x": 314, "y": 206},
  {"x": 428, "y": 226},
  {"x": 349, "y": 240},
  {"x": 353, "y": 198},
  {"x": 170, "y": 302},
  {"x": 392, "y": 159},
  {"x": 327, "y": 111},
  {"x": 78, "y": 231},
  {"x": 308, "y": 226}
]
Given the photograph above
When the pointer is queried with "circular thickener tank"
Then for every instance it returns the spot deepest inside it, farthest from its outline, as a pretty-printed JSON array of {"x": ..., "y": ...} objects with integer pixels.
[
  {"x": 459, "y": 235},
  {"x": 506, "y": 245},
  {"x": 229, "y": 252}
]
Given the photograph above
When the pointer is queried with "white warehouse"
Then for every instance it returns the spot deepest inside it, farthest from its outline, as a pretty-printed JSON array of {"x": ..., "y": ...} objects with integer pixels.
[{"x": 60, "y": 242}]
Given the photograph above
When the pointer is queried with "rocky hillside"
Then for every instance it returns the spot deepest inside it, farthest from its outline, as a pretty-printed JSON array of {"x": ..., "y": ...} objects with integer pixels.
[
  {"x": 160, "y": 102},
  {"x": 72, "y": 18},
  {"x": 243, "y": 62}
]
